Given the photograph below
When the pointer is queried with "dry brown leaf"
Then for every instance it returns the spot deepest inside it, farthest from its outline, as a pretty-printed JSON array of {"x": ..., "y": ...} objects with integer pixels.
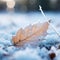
[{"x": 28, "y": 34}]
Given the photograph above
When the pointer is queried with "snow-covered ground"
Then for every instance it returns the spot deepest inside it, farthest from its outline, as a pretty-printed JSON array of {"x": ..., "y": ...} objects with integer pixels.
[{"x": 9, "y": 25}]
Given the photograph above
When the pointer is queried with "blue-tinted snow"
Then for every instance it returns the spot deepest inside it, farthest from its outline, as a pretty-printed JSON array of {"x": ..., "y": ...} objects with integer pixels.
[{"x": 9, "y": 25}]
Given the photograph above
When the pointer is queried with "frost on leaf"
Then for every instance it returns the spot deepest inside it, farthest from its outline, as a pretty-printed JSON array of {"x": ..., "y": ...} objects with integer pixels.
[{"x": 29, "y": 33}]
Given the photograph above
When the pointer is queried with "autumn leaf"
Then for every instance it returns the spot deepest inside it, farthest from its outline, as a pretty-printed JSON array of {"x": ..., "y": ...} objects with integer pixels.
[{"x": 29, "y": 33}]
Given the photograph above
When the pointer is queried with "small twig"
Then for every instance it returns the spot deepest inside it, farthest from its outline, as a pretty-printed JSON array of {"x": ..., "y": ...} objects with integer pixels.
[{"x": 40, "y": 8}]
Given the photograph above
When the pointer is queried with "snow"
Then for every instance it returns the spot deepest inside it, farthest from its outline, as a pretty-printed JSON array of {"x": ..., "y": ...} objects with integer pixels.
[
  {"x": 11, "y": 23},
  {"x": 27, "y": 54}
]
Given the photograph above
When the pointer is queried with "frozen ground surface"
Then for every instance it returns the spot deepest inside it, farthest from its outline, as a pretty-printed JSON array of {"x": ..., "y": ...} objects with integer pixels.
[{"x": 9, "y": 25}]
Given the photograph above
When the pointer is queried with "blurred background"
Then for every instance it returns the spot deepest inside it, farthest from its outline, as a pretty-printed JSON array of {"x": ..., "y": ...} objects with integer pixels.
[
  {"x": 30, "y": 5},
  {"x": 24, "y": 12}
]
